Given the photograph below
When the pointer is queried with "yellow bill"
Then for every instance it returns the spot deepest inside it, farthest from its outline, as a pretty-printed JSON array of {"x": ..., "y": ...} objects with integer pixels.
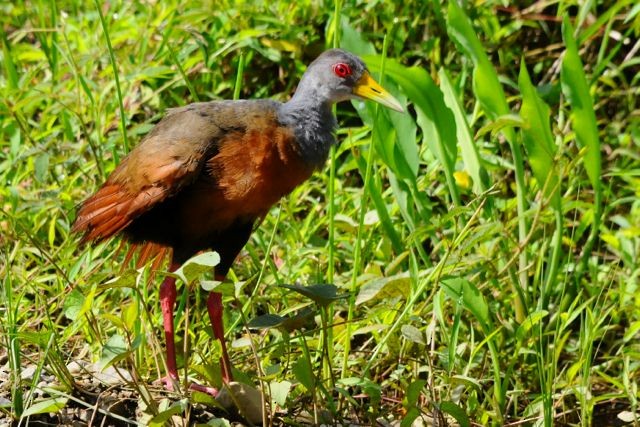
[{"x": 368, "y": 88}]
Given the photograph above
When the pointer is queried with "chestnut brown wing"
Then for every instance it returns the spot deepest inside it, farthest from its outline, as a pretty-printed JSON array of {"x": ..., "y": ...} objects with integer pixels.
[{"x": 168, "y": 159}]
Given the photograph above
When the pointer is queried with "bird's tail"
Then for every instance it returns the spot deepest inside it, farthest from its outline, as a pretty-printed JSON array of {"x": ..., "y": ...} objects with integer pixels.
[
  {"x": 155, "y": 253},
  {"x": 109, "y": 212},
  {"x": 104, "y": 214}
]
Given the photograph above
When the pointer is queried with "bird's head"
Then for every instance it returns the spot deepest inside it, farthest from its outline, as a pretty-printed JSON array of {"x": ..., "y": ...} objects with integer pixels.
[{"x": 337, "y": 75}]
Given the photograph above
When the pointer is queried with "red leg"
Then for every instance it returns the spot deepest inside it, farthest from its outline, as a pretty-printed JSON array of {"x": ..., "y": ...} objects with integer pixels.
[
  {"x": 168, "y": 296},
  {"x": 215, "y": 308},
  {"x": 167, "y": 303}
]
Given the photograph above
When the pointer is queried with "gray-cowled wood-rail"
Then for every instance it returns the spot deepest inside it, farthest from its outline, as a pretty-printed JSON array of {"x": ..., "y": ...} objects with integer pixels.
[{"x": 207, "y": 172}]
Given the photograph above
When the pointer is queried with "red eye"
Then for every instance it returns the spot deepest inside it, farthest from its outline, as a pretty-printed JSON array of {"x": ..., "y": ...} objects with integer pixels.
[{"x": 342, "y": 70}]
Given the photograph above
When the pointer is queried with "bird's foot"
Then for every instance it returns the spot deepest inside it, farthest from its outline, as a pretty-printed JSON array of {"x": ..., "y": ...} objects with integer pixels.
[
  {"x": 171, "y": 383},
  {"x": 204, "y": 389}
]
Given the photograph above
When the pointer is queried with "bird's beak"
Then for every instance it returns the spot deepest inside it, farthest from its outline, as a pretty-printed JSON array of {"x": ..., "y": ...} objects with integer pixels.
[{"x": 368, "y": 88}]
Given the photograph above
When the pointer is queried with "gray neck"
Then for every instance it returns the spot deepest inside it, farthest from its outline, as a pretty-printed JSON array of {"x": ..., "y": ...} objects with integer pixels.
[{"x": 309, "y": 114}]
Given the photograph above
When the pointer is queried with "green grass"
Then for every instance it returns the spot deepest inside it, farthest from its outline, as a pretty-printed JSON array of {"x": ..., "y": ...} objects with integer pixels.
[{"x": 484, "y": 247}]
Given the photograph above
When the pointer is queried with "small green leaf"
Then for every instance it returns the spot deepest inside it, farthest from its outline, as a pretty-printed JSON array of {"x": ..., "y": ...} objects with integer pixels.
[
  {"x": 413, "y": 393},
  {"x": 350, "y": 381},
  {"x": 412, "y": 334},
  {"x": 501, "y": 122},
  {"x": 197, "y": 266},
  {"x": 73, "y": 304},
  {"x": 45, "y": 406},
  {"x": 321, "y": 294},
  {"x": 266, "y": 321},
  {"x": 412, "y": 414},
  {"x": 280, "y": 391},
  {"x": 531, "y": 320},
  {"x": 299, "y": 320},
  {"x": 176, "y": 408},
  {"x": 41, "y": 167},
  {"x": 373, "y": 390},
  {"x": 386, "y": 288},
  {"x": 304, "y": 374},
  {"x": 125, "y": 280},
  {"x": 225, "y": 288},
  {"x": 130, "y": 315},
  {"x": 467, "y": 382}
]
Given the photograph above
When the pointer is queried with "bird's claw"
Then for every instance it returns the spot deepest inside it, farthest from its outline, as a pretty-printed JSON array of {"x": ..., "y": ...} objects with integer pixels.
[{"x": 172, "y": 384}]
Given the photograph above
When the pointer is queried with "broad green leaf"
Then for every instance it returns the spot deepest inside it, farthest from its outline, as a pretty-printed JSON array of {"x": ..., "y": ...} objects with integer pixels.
[
  {"x": 352, "y": 40},
  {"x": 583, "y": 117},
  {"x": 9, "y": 65},
  {"x": 130, "y": 315},
  {"x": 394, "y": 138},
  {"x": 456, "y": 412},
  {"x": 115, "y": 349},
  {"x": 46, "y": 406},
  {"x": 471, "y": 298},
  {"x": 537, "y": 138}
]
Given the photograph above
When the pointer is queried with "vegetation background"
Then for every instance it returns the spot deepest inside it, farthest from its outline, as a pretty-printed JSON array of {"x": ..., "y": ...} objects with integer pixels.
[{"x": 485, "y": 253}]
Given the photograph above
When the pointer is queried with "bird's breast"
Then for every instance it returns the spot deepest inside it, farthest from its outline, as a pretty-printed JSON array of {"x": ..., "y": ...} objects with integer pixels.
[{"x": 251, "y": 171}]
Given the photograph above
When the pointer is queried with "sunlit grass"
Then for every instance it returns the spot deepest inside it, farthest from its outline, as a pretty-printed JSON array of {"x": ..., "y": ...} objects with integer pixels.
[{"x": 484, "y": 246}]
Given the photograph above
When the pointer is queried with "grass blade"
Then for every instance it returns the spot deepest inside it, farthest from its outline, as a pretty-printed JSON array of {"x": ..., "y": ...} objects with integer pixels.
[
  {"x": 537, "y": 138},
  {"x": 576, "y": 89},
  {"x": 468, "y": 149},
  {"x": 491, "y": 97},
  {"x": 583, "y": 118},
  {"x": 114, "y": 66},
  {"x": 434, "y": 117}
]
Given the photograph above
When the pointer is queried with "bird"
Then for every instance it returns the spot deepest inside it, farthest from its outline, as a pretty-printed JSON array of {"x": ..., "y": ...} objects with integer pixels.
[{"x": 208, "y": 173}]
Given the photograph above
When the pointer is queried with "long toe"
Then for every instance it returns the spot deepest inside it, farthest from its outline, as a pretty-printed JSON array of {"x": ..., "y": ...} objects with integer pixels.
[{"x": 204, "y": 389}]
